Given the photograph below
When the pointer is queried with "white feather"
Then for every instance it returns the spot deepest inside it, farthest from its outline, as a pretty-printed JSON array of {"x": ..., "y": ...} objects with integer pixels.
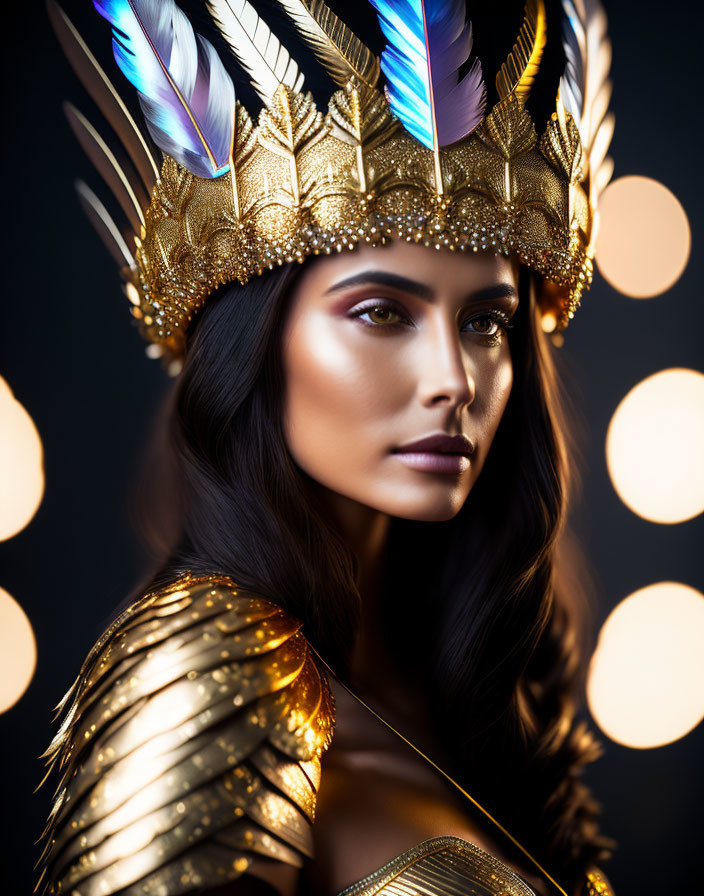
[
  {"x": 572, "y": 81},
  {"x": 258, "y": 51},
  {"x": 585, "y": 88}
]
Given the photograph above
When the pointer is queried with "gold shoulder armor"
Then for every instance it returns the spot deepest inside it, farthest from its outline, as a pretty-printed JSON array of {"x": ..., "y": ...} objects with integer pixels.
[
  {"x": 191, "y": 743},
  {"x": 596, "y": 884}
]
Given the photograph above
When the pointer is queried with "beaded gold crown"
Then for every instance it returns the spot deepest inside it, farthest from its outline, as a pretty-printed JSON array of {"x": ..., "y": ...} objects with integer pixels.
[{"x": 418, "y": 160}]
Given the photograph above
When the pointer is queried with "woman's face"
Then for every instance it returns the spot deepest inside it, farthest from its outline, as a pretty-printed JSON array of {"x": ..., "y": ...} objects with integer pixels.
[{"x": 385, "y": 346}]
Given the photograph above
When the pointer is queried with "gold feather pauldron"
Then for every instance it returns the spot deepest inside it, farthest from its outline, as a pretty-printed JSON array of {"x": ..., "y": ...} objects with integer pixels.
[{"x": 191, "y": 744}]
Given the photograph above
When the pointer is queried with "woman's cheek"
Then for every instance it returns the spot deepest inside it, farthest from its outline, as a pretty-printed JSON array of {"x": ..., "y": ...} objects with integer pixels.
[
  {"x": 493, "y": 390},
  {"x": 332, "y": 399},
  {"x": 506, "y": 383}
]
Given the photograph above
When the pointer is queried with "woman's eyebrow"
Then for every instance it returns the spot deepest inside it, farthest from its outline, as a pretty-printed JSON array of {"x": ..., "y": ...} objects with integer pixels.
[
  {"x": 496, "y": 291},
  {"x": 422, "y": 290},
  {"x": 386, "y": 278}
]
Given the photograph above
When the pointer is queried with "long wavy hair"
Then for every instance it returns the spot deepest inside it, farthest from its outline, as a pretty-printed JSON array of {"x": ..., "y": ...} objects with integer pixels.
[{"x": 489, "y": 604}]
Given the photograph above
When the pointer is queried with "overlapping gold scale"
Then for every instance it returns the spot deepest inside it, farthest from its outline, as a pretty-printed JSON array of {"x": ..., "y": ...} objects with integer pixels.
[{"x": 191, "y": 742}]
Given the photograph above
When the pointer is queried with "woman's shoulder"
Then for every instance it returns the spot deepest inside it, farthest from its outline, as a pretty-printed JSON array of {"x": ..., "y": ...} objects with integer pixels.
[{"x": 190, "y": 745}]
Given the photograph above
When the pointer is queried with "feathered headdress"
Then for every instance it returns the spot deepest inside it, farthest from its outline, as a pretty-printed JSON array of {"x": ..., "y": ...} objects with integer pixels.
[{"x": 419, "y": 159}]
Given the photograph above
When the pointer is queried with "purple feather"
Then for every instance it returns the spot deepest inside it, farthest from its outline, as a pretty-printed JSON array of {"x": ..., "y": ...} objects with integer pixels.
[
  {"x": 459, "y": 105},
  {"x": 428, "y": 42}
]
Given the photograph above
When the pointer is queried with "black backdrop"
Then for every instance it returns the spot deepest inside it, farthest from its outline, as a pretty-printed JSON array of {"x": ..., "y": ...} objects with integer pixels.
[{"x": 71, "y": 356}]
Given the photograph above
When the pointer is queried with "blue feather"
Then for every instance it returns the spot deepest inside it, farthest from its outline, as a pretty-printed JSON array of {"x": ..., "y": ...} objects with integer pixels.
[
  {"x": 427, "y": 43},
  {"x": 187, "y": 97}
]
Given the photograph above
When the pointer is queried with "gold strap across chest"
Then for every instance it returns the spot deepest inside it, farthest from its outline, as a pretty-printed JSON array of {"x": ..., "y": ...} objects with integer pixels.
[{"x": 452, "y": 781}]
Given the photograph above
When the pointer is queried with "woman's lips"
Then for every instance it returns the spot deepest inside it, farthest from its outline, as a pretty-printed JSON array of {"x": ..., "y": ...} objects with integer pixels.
[{"x": 434, "y": 461}]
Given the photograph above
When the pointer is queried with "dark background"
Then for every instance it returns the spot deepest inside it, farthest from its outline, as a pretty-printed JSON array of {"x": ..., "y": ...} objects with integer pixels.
[{"x": 71, "y": 356}]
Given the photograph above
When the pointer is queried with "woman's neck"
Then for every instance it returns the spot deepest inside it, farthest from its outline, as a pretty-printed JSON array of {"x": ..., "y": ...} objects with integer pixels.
[
  {"x": 365, "y": 531},
  {"x": 374, "y": 674}
]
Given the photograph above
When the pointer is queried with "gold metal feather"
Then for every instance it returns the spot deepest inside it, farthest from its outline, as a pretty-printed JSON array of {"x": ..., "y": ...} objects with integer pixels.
[
  {"x": 291, "y": 121},
  {"x": 259, "y": 52},
  {"x": 518, "y": 72},
  {"x": 360, "y": 117},
  {"x": 123, "y": 183},
  {"x": 342, "y": 53},
  {"x": 104, "y": 94},
  {"x": 509, "y": 128},
  {"x": 561, "y": 145},
  {"x": 106, "y": 228}
]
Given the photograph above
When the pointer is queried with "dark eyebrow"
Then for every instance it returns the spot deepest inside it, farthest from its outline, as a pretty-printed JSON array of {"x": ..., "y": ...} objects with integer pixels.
[
  {"x": 497, "y": 291},
  {"x": 386, "y": 278},
  {"x": 422, "y": 290}
]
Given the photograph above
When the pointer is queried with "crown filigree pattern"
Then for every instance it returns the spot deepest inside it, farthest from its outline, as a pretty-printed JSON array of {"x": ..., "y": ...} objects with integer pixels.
[
  {"x": 306, "y": 185},
  {"x": 233, "y": 201}
]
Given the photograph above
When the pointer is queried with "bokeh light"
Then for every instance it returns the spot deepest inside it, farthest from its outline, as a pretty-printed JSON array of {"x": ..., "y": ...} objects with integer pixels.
[
  {"x": 655, "y": 446},
  {"x": 549, "y": 322},
  {"x": 21, "y": 465},
  {"x": 5, "y": 393},
  {"x": 644, "y": 239},
  {"x": 18, "y": 651},
  {"x": 646, "y": 678}
]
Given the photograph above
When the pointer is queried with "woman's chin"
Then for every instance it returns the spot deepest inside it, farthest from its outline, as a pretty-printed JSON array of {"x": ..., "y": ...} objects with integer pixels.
[
  {"x": 430, "y": 514},
  {"x": 431, "y": 505}
]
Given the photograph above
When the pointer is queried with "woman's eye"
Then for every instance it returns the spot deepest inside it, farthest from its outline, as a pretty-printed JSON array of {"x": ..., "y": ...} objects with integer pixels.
[
  {"x": 487, "y": 326},
  {"x": 491, "y": 325},
  {"x": 384, "y": 316},
  {"x": 379, "y": 315}
]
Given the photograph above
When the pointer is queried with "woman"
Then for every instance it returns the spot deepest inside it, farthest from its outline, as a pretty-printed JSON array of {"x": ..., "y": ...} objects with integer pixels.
[{"x": 355, "y": 668}]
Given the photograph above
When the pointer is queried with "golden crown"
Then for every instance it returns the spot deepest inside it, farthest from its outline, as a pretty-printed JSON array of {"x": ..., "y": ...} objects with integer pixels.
[{"x": 418, "y": 161}]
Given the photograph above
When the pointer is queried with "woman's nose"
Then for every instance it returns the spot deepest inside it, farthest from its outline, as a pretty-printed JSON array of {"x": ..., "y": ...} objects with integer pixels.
[{"x": 446, "y": 376}]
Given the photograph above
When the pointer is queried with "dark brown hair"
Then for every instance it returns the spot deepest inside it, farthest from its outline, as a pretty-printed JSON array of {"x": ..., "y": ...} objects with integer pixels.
[{"x": 490, "y": 603}]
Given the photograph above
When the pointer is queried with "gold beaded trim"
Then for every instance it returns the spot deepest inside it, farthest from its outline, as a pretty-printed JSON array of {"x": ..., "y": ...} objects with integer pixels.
[{"x": 307, "y": 185}]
